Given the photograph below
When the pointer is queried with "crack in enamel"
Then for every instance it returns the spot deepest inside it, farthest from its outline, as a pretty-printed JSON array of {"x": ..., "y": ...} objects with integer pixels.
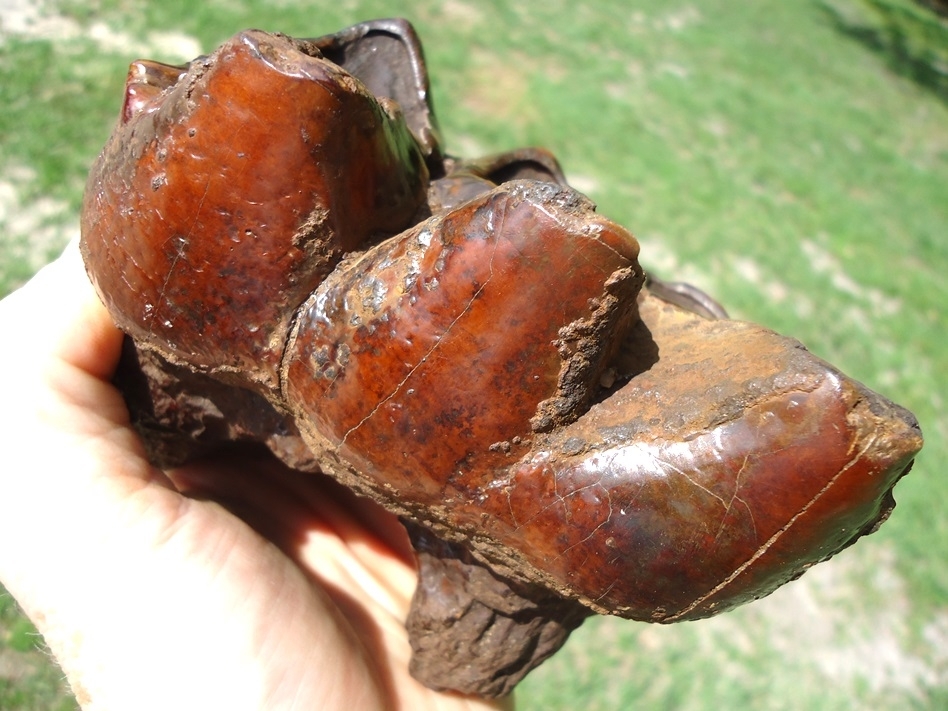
[
  {"x": 665, "y": 465},
  {"x": 150, "y": 318},
  {"x": 603, "y": 523},
  {"x": 625, "y": 493},
  {"x": 776, "y": 536},
  {"x": 735, "y": 497},
  {"x": 424, "y": 359},
  {"x": 183, "y": 241}
]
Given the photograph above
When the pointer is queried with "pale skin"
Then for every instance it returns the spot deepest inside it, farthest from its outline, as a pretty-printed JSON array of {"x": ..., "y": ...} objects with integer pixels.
[{"x": 232, "y": 583}]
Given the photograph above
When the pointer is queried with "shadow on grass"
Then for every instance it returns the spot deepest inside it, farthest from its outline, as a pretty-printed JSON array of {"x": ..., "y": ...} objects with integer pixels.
[{"x": 911, "y": 36}]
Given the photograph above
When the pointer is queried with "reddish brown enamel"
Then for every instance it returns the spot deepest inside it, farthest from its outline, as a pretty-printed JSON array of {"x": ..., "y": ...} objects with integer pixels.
[
  {"x": 475, "y": 319},
  {"x": 725, "y": 468},
  {"x": 145, "y": 84},
  {"x": 659, "y": 527},
  {"x": 222, "y": 206},
  {"x": 557, "y": 439}
]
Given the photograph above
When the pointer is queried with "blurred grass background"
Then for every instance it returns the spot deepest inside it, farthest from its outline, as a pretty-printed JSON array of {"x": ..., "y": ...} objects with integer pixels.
[{"x": 791, "y": 158}]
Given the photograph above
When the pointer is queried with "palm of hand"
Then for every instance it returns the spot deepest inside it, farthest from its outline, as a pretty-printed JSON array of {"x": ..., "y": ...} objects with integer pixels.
[{"x": 231, "y": 583}]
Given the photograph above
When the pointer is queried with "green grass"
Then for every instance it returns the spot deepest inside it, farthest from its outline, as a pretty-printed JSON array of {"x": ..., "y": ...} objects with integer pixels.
[
  {"x": 912, "y": 37},
  {"x": 768, "y": 151},
  {"x": 27, "y": 678}
]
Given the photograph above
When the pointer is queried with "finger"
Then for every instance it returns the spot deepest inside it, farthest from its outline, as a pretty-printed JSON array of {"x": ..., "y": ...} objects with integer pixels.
[
  {"x": 90, "y": 341},
  {"x": 58, "y": 314}
]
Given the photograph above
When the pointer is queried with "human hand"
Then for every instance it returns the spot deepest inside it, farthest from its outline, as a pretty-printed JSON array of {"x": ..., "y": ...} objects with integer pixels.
[{"x": 232, "y": 583}]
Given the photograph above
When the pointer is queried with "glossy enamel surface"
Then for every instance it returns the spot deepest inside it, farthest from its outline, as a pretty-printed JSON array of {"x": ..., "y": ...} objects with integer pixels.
[
  {"x": 731, "y": 462},
  {"x": 491, "y": 372},
  {"x": 727, "y": 468},
  {"x": 228, "y": 192},
  {"x": 431, "y": 358}
]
